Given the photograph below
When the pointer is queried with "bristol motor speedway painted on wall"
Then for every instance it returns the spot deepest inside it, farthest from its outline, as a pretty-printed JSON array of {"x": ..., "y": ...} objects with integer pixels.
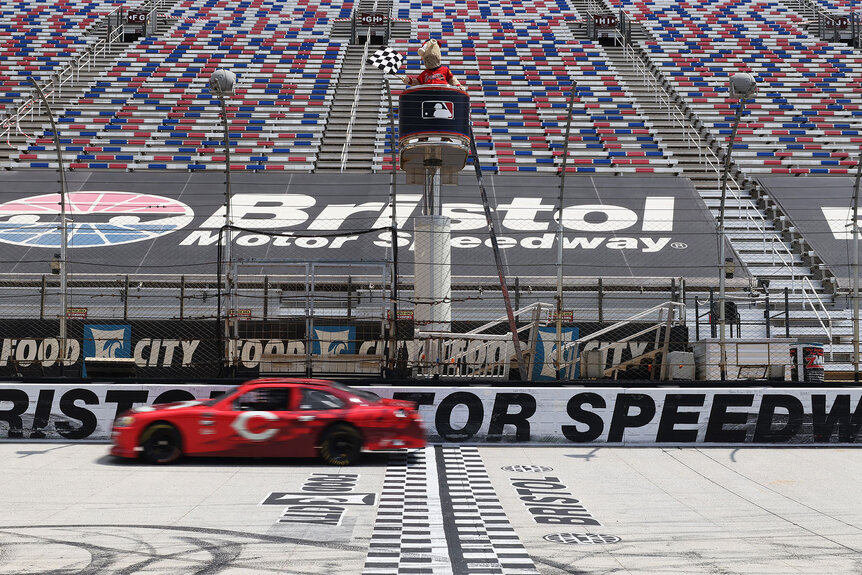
[
  {"x": 573, "y": 415},
  {"x": 170, "y": 223}
]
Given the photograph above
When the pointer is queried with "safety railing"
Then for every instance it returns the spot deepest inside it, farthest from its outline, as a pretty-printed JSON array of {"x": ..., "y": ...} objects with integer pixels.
[
  {"x": 661, "y": 328},
  {"x": 773, "y": 245},
  {"x": 70, "y": 72},
  {"x": 649, "y": 80},
  {"x": 349, "y": 134},
  {"x": 811, "y": 298},
  {"x": 478, "y": 353}
]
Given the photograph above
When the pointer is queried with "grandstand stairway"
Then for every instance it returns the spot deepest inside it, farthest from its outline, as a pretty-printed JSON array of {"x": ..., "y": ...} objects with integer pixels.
[
  {"x": 756, "y": 230},
  {"x": 759, "y": 233},
  {"x": 367, "y": 92},
  {"x": 37, "y": 127},
  {"x": 752, "y": 233}
]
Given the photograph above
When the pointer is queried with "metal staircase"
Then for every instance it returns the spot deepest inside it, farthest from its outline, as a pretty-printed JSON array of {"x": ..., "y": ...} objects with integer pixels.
[
  {"x": 348, "y": 143},
  {"x": 753, "y": 223},
  {"x": 30, "y": 120},
  {"x": 348, "y": 139}
]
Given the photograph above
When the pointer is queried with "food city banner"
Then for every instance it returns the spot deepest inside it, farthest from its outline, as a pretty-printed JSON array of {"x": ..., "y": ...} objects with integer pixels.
[
  {"x": 169, "y": 223},
  {"x": 189, "y": 349},
  {"x": 602, "y": 416}
]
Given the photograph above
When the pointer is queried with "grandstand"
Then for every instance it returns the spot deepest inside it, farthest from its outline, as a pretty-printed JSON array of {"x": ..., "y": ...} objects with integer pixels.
[{"x": 650, "y": 100}]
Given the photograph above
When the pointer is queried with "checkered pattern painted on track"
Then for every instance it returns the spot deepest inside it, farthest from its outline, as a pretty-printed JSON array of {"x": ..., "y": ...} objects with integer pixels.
[
  {"x": 439, "y": 514},
  {"x": 408, "y": 533}
]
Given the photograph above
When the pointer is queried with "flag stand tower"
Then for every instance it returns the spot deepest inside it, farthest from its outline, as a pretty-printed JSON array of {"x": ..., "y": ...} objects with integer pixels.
[{"x": 434, "y": 143}]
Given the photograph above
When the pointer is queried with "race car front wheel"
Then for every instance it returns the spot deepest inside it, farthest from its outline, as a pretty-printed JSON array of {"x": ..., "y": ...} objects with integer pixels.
[
  {"x": 161, "y": 443},
  {"x": 342, "y": 445}
]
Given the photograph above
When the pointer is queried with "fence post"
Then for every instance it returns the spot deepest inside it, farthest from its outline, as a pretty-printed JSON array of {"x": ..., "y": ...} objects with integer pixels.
[
  {"x": 711, "y": 309},
  {"x": 786, "y": 312},
  {"x": 126, "y": 299},
  {"x": 517, "y": 292},
  {"x": 42, "y": 298},
  {"x": 309, "y": 319},
  {"x": 766, "y": 315},
  {"x": 696, "y": 319},
  {"x": 182, "y": 296},
  {"x": 265, "y": 297},
  {"x": 601, "y": 296},
  {"x": 349, "y": 297}
]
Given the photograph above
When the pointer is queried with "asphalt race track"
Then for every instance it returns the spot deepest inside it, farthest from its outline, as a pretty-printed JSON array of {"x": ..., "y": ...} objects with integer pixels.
[{"x": 70, "y": 508}]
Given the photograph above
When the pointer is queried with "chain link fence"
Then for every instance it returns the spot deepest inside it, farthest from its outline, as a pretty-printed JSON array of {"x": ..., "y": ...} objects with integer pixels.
[{"x": 350, "y": 319}]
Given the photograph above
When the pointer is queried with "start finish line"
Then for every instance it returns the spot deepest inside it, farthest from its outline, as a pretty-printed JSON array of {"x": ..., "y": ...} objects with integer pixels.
[{"x": 603, "y": 416}]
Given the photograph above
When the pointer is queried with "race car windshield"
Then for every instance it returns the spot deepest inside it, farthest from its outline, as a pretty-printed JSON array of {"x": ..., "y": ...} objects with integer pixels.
[
  {"x": 221, "y": 396},
  {"x": 366, "y": 395}
]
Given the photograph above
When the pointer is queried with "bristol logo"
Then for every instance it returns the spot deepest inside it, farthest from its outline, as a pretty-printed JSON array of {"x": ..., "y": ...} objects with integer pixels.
[
  {"x": 438, "y": 109},
  {"x": 93, "y": 219}
]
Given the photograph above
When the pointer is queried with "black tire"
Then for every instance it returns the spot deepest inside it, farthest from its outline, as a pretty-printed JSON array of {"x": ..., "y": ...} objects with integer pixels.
[
  {"x": 342, "y": 445},
  {"x": 161, "y": 443}
]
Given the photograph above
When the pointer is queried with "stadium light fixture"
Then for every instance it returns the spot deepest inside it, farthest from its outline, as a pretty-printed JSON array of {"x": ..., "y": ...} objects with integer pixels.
[
  {"x": 64, "y": 238},
  {"x": 742, "y": 86},
  {"x": 221, "y": 84}
]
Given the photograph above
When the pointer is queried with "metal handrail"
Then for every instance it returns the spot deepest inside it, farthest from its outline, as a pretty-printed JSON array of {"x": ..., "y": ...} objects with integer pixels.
[
  {"x": 772, "y": 243},
  {"x": 708, "y": 157},
  {"x": 660, "y": 93},
  {"x": 476, "y": 333},
  {"x": 53, "y": 86},
  {"x": 349, "y": 134},
  {"x": 670, "y": 307},
  {"x": 827, "y": 329}
]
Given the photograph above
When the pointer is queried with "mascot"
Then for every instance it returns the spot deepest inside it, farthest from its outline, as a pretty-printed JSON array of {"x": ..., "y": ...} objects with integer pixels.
[{"x": 434, "y": 72}]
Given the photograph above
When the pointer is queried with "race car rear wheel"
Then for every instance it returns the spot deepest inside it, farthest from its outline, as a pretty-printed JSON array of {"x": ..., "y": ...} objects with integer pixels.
[
  {"x": 161, "y": 443},
  {"x": 342, "y": 445}
]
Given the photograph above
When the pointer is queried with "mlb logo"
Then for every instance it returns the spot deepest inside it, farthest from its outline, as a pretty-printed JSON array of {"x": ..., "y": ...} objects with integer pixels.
[{"x": 438, "y": 109}]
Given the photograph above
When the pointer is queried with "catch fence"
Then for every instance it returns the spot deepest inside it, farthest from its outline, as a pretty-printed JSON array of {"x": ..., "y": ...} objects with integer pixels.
[{"x": 344, "y": 319}]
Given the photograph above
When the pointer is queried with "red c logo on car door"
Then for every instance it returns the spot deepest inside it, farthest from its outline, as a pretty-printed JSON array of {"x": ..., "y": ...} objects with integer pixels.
[{"x": 240, "y": 425}]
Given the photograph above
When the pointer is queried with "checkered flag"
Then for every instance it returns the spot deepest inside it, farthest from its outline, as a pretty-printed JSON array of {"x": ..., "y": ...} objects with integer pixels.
[{"x": 387, "y": 60}]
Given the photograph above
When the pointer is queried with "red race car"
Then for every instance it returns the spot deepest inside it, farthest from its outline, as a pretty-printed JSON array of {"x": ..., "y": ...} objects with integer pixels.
[{"x": 272, "y": 418}]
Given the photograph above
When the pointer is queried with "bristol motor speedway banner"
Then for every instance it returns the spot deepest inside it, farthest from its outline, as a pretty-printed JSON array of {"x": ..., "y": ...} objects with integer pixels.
[
  {"x": 169, "y": 223},
  {"x": 609, "y": 416}
]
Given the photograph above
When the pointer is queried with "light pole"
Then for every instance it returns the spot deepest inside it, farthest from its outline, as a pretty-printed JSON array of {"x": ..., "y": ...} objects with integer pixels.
[
  {"x": 393, "y": 324},
  {"x": 742, "y": 86},
  {"x": 221, "y": 84},
  {"x": 559, "y": 306},
  {"x": 856, "y": 270},
  {"x": 64, "y": 238}
]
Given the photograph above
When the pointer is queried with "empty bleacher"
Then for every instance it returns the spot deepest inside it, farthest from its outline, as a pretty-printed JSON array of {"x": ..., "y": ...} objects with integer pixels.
[
  {"x": 805, "y": 117},
  {"x": 152, "y": 109},
  {"x": 38, "y": 38}
]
